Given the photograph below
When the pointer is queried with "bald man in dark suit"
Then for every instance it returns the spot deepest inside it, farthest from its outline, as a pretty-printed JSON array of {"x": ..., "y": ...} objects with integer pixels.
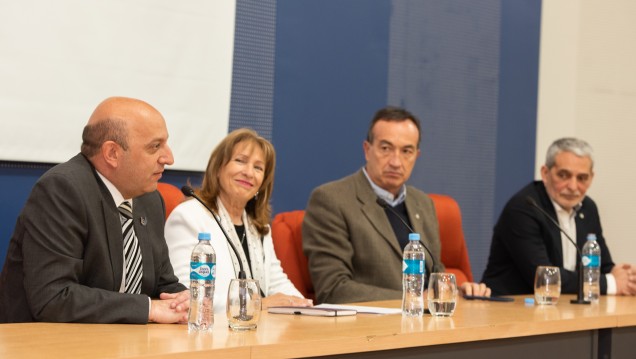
[{"x": 65, "y": 261}]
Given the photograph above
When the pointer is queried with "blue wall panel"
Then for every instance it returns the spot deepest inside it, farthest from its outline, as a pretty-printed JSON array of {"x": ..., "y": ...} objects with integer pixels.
[
  {"x": 518, "y": 90},
  {"x": 253, "y": 66},
  {"x": 16, "y": 182},
  {"x": 331, "y": 61},
  {"x": 338, "y": 61},
  {"x": 444, "y": 67}
]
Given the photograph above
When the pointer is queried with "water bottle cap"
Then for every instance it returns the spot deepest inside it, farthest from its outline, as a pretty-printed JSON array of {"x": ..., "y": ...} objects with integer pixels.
[
  {"x": 591, "y": 237},
  {"x": 205, "y": 236},
  {"x": 414, "y": 236}
]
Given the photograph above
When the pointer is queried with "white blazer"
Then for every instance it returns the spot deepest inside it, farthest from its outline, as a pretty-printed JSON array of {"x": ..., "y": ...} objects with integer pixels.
[{"x": 190, "y": 218}]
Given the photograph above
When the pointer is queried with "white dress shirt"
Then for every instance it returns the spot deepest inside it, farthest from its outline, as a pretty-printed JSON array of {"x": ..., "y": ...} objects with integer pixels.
[{"x": 568, "y": 223}]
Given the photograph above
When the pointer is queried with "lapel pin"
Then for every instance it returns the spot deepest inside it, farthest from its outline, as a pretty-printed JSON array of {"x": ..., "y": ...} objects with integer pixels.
[
  {"x": 581, "y": 215},
  {"x": 143, "y": 221},
  {"x": 417, "y": 216}
]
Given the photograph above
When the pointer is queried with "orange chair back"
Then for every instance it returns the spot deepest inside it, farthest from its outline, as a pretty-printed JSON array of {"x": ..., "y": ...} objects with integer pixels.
[
  {"x": 288, "y": 244},
  {"x": 454, "y": 250},
  {"x": 172, "y": 196},
  {"x": 287, "y": 237}
]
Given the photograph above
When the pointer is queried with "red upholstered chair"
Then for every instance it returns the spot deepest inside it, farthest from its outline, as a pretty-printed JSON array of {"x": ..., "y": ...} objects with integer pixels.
[
  {"x": 454, "y": 250},
  {"x": 172, "y": 196},
  {"x": 287, "y": 237},
  {"x": 288, "y": 244}
]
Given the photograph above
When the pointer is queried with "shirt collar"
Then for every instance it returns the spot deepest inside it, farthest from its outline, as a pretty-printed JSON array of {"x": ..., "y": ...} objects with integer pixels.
[
  {"x": 575, "y": 209},
  {"x": 114, "y": 192},
  {"x": 384, "y": 194}
]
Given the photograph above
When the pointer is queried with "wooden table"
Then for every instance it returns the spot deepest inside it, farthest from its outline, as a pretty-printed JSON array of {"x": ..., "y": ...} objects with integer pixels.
[{"x": 478, "y": 329}]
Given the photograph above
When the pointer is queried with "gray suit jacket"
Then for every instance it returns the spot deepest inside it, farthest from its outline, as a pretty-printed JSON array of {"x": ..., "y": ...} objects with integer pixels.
[
  {"x": 65, "y": 259},
  {"x": 352, "y": 250}
]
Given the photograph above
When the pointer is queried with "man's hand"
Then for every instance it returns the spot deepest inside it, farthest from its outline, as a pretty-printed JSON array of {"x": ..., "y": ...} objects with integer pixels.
[
  {"x": 170, "y": 308},
  {"x": 477, "y": 289},
  {"x": 180, "y": 301},
  {"x": 625, "y": 276}
]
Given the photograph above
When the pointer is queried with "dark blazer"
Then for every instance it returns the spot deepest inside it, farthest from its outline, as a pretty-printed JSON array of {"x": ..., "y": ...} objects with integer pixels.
[
  {"x": 524, "y": 238},
  {"x": 352, "y": 250},
  {"x": 65, "y": 259}
]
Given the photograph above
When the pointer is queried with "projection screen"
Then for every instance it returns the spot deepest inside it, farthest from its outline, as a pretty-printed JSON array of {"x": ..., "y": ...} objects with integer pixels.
[{"x": 59, "y": 59}]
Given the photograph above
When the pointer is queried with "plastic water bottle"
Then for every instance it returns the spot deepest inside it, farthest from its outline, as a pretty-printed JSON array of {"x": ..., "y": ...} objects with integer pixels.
[
  {"x": 202, "y": 275},
  {"x": 591, "y": 269},
  {"x": 413, "y": 272}
]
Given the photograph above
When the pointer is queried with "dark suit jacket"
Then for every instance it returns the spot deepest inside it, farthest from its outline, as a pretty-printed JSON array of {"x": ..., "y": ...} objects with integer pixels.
[
  {"x": 65, "y": 259},
  {"x": 524, "y": 239},
  {"x": 352, "y": 250}
]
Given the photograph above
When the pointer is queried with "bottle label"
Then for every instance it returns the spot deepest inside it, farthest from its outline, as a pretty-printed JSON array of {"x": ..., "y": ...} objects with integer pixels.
[
  {"x": 202, "y": 271},
  {"x": 413, "y": 266},
  {"x": 591, "y": 261}
]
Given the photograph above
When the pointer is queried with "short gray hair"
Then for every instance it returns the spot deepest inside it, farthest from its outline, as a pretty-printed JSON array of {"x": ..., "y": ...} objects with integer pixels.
[{"x": 568, "y": 144}]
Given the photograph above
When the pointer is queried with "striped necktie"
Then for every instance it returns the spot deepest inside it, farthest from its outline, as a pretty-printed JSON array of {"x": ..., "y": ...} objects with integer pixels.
[{"x": 132, "y": 252}]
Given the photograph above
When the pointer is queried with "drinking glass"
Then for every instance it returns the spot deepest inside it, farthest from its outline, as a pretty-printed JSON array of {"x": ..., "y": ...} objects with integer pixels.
[
  {"x": 442, "y": 294},
  {"x": 547, "y": 285},
  {"x": 243, "y": 304}
]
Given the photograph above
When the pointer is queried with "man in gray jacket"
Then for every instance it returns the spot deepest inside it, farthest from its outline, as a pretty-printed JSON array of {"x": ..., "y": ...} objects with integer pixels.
[{"x": 354, "y": 246}]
